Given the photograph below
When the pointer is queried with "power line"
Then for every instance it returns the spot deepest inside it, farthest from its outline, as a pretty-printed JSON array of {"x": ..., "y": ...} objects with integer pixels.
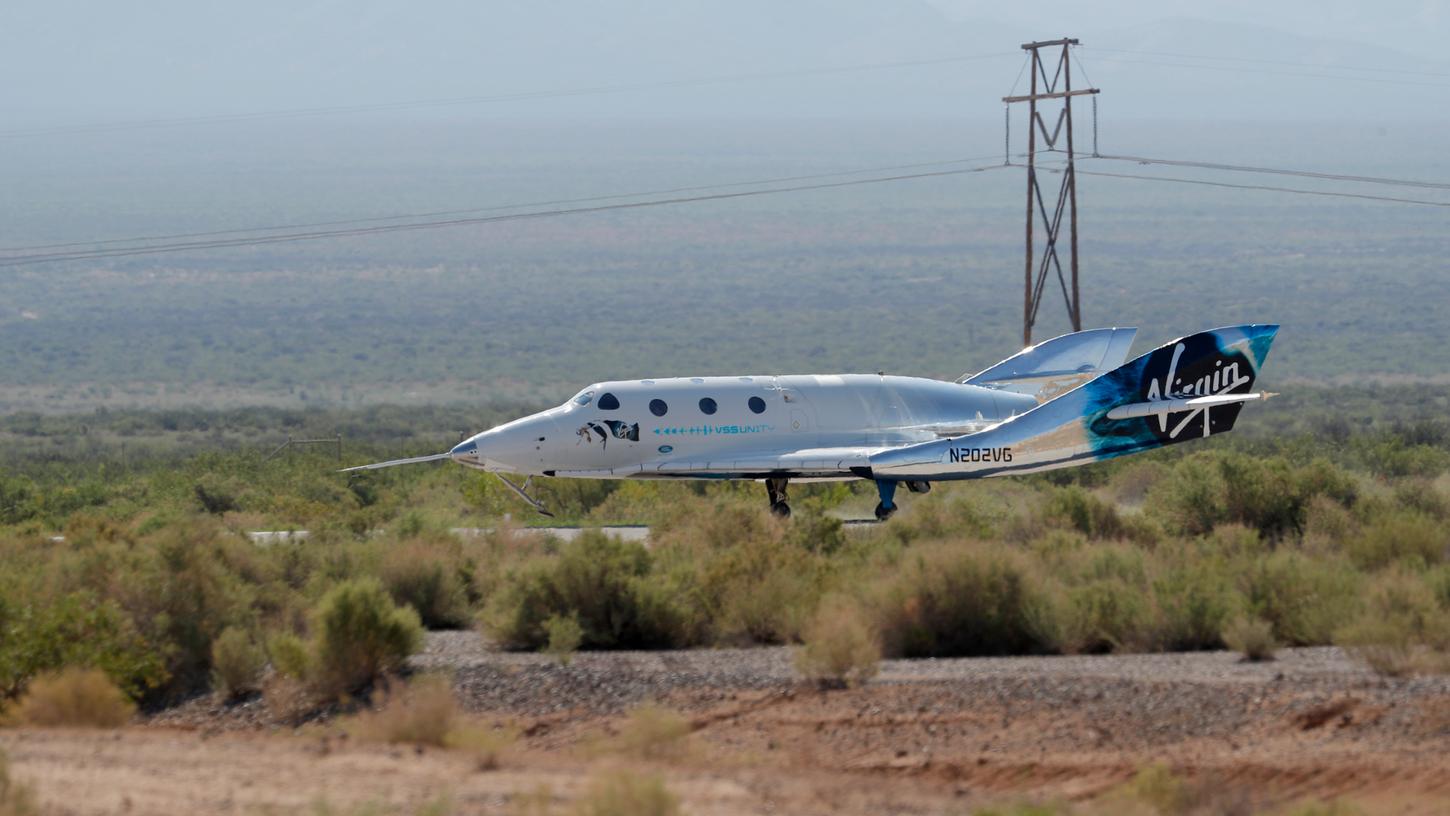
[
  {"x": 440, "y": 213},
  {"x": 356, "y": 231},
  {"x": 1262, "y": 187},
  {"x": 292, "y": 113},
  {"x": 1263, "y": 71},
  {"x": 1278, "y": 171},
  {"x": 1312, "y": 65}
]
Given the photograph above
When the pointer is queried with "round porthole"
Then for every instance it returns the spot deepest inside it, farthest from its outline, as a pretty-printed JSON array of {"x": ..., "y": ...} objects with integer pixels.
[
  {"x": 658, "y": 407},
  {"x": 708, "y": 406},
  {"x": 757, "y": 405}
]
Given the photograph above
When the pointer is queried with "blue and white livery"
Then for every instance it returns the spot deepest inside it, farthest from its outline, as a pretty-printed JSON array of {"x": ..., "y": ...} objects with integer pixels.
[{"x": 1064, "y": 402}]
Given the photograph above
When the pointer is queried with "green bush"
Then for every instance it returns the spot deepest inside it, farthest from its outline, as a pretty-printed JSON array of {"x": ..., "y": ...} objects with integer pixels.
[
  {"x": 237, "y": 663},
  {"x": 624, "y": 793},
  {"x": 964, "y": 600},
  {"x": 429, "y": 577},
  {"x": 360, "y": 636},
  {"x": 1403, "y": 629},
  {"x": 1395, "y": 536},
  {"x": 1086, "y": 513},
  {"x": 841, "y": 647},
  {"x": 1193, "y": 599},
  {"x": 1251, "y": 637},
  {"x": 74, "y": 630},
  {"x": 564, "y": 637},
  {"x": 1303, "y": 598},
  {"x": 600, "y": 581}
]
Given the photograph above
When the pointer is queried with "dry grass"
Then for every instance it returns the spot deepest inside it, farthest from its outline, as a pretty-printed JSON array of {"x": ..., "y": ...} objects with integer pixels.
[
  {"x": 16, "y": 798},
  {"x": 74, "y": 697},
  {"x": 1251, "y": 637},
  {"x": 425, "y": 712},
  {"x": 422, "y": 712},
  {"x": 841, "y": 647},
  {"x": 624, "y": 793},
  {"x": 650, "y": 732},
  {"x": 287, "y": 698}
]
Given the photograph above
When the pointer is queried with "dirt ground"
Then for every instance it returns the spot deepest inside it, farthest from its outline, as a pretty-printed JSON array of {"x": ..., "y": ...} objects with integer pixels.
[{"x": 926, "y": 737}]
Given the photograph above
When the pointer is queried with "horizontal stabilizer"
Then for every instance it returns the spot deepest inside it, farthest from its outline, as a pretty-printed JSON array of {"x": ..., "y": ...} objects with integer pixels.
[
  {"x": 1055, "y": 366},
  {"x": 395, "y": 462},
  {"x": 1173, "y": 406}
]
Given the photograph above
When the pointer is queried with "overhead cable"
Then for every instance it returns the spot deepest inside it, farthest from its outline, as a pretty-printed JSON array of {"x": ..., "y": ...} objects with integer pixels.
[{"x": 458, "y": 222}]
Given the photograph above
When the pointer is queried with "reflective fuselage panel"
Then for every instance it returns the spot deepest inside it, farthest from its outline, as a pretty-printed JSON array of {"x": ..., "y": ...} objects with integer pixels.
[{"x": 619, "y": 426}]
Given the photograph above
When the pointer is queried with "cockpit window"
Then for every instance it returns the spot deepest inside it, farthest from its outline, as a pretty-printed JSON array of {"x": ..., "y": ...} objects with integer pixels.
[
  {"x": 584, "y": 398},
  {"x": 608, "y": 402}
]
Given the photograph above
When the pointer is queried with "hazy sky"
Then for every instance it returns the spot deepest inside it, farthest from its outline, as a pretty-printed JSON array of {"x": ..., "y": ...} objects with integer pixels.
[{"x": 68, "y": 61}]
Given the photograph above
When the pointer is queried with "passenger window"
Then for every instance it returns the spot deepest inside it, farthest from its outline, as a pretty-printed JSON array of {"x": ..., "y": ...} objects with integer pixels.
[
  {"x": 608, "y": 402},
  {"x": 658, "y": 407},
  {"x": 757, "y": 405},
  {"x": 707, "y": 406}
]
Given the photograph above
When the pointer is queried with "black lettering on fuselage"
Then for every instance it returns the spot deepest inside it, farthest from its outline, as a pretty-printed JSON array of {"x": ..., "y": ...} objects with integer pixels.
[{"x": 960, "y": 455}]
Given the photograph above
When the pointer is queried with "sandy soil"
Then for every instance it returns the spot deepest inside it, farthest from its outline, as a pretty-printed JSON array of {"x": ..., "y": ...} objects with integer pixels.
[{"x": 941, "y": 736}]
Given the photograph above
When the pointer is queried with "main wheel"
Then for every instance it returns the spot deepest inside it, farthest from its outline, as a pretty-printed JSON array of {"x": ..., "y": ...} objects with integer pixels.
[
  {"x": 883, "y": 512},
  {"x": 781, "y": 509}
]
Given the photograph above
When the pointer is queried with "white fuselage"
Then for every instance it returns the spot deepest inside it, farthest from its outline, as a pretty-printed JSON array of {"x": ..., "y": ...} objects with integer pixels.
[{"x": 714, "y": 427}]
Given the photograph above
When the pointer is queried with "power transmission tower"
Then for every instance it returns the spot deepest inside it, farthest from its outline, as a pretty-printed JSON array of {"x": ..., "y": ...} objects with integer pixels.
[{"x": 1048, "y": 89}]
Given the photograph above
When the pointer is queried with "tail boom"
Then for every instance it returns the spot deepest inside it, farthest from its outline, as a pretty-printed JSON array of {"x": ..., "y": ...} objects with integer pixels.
[{"x": 1192, "y": 387}]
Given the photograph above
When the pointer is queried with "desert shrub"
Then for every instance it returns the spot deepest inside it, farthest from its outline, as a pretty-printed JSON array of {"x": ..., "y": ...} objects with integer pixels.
[
  {"x": 1192, "y": 497},
  {"x": 1403, "y": 628},
  {"x": 601, "y": 582},
  {"x": 422, "y": 712},
  {"x": 430, "y": 577},
  {"x": 841, "y": 647},
  {"x": 216, "y": 494},
  {"x": 290, "y": 656},
  {"x": 182, "y": 585},
  {"x": 360, "y": 636},
  {"x": 762, "y": 590},
  {"x": 564, "y": 634},
  {"x": 650, "y": 732},
  {"x": 287, "y": 699},
  {"x": 1193, "y": 599},
  {"x": 1102, "y": 615},
  {"x": 237, "y": 663},
  {"x": 16, "y": 798},
  {"x": 1398, "y": 536},
  {"x": 950, "y": 601},
  {"x": 75, "y": 697},
  {"x": 1084, "y": 512},
  {"x": 1327, "y": 522},
  {"x": 1303, "y": 598},
  {"x": 1251, "y": 637},
  {"x": 624, "y": 793},
  {"x": 75, "y": 630},
  {"x": 1266, "y": 493}
]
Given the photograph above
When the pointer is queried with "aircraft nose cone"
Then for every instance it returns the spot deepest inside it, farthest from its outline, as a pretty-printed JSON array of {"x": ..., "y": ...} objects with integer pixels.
[{"x": 468, "y": 449}]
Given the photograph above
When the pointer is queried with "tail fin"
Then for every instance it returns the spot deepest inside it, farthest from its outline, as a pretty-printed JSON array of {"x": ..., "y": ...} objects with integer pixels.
[
  {"x": 1056, "y": 366},
  {"x": 1179, "y": 391},
  {"x": 1192, "y": 387}
]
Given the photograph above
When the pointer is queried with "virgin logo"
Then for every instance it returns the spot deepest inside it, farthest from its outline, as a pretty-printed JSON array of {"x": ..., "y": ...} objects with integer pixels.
[{"x": 1222, "y": 380}]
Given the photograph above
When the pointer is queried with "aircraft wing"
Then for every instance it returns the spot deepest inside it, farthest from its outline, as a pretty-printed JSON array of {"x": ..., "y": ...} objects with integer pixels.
[{"x": 809, "y": 463}]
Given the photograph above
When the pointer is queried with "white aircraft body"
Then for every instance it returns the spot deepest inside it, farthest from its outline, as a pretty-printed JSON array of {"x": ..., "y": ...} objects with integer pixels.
[{"x": 1064, "y": 402}]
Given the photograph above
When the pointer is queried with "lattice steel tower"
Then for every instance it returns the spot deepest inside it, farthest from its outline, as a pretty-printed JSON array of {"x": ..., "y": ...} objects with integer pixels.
[{"x": 1044, "y": 88}]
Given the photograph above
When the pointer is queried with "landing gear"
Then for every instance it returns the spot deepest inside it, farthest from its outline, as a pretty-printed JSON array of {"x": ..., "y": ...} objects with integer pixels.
[
  {"x": 775, "y": 492},
  {"x": 887, "y": 508},
  {"x": 919, "y": 487}
]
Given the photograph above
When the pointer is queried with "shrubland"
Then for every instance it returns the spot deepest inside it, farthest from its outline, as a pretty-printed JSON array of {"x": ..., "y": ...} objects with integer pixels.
[{"x": 144, "y": 571}]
